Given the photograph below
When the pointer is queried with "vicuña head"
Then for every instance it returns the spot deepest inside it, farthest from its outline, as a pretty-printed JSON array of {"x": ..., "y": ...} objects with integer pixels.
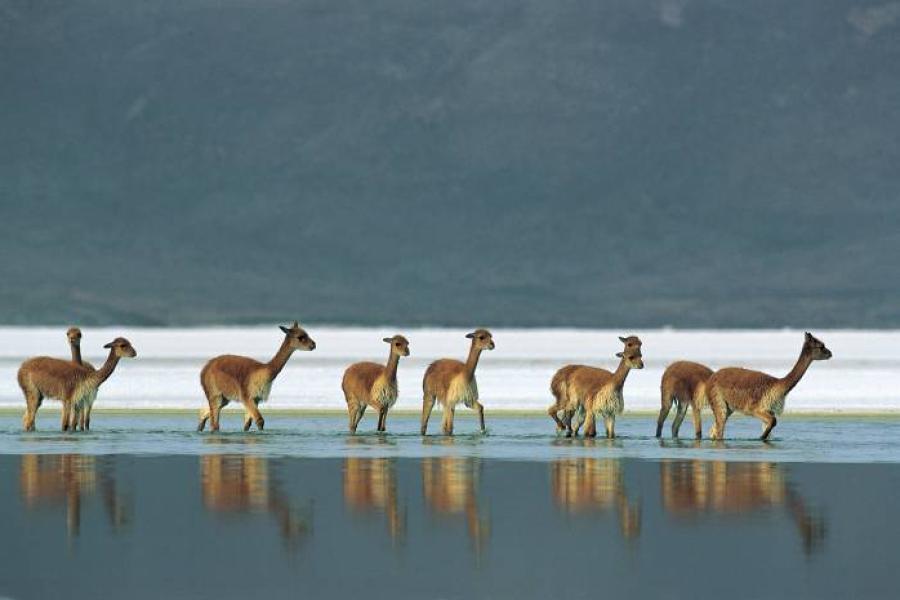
[
  {"x": 631, "y": 342},
  {"x": 74, "y": 335},
  {"x": 481, "y": 339},
  {"x": 121, "y": 348},
  {"x": 632, "y": 357},
  {"x": 814, "y": 348},
  {"x": 297, "y": 338},
  {"x": 399, "y": 345}
]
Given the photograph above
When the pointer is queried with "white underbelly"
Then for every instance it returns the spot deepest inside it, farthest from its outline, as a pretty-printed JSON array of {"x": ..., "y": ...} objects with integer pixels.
[
  {"x": 462, "y": 392},
  {"x": 609, "y": 402},
  {"x": 84, "y": 398},
  {"x": 385, "y": 394}
]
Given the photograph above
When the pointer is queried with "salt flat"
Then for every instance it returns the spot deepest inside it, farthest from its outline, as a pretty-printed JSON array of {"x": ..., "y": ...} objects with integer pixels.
[{"x": 863, "y": 376}]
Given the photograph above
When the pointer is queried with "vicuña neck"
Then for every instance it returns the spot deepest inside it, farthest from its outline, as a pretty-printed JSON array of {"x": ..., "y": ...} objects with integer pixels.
[
  {"x": 793, "y": 378},
  {"x": 103, "y": 373},
  {"x": 76, "y": 353},
  {"x": 621, "y": 373},
  {"x": 472, "y": 361},
  {"x": 391, "y": 368},
  {"x": 280, "y": 359}
]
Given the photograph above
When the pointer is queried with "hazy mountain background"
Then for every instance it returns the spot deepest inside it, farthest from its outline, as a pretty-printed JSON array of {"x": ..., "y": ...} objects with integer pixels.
[{"x": 619, "y": 163}]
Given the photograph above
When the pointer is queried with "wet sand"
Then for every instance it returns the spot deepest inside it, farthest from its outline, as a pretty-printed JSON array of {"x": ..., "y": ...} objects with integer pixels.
[{"x": 229, "y": 525}]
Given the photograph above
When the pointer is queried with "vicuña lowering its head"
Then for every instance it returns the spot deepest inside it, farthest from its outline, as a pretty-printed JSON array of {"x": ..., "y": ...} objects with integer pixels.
[
  {"x": 756, "y": 393},
  {"x": 571, "y": 383},
  {"x": 230, "y": 378},
  {"x": 683, "y": 383},
  {"x": 371, "y": 384},
  {"x": 73, "y": 385},
  {"x": 451, "y": 382}
]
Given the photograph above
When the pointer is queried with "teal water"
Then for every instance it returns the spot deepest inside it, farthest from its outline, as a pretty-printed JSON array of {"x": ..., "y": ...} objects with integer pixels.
[
  {"x": 795, "y": 439},
  {"x": 143, "y": 506}
]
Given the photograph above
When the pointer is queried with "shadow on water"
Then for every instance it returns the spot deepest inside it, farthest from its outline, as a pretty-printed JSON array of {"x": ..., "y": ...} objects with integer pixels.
[
  {"x": 370, "y": 485},
  {"x": 694, "y": 489},
  {"x": 70, "y": 480},
  {"x": 237, "y": 484}
]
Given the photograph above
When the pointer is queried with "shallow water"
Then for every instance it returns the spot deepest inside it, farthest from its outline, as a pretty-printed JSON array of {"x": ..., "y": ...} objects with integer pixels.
[
  {"x": 143, "y": 506},
  {"x": 528, "y": 438},
  {"x": 247, "y": 525}
]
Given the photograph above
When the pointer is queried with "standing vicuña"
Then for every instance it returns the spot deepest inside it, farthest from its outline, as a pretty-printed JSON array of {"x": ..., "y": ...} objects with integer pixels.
[
  {"x": 83, "y": 416},
  {"x": 230, "y": 378},
  {"x": 451, "y": 382},
  {"x": 371, "y": 384},
  {"x": 756, "y": 393},
  {"x": 684, "y": 383},
  {"x": 566, "y": 404},
  {"x": 73, "y": 385},
  {"x": 603, "y": 396}
]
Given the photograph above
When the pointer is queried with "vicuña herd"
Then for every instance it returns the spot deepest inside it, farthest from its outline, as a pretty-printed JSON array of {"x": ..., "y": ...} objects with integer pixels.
[{"x": 582, "y": 393}]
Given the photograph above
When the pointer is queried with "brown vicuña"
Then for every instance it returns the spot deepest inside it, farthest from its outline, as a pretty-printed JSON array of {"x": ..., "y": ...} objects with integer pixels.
[
  {"x": 566, "y": 403},
  {"x": 82, "y": 416},
  {"x": 371, "y": 384},
  {"x": 230, "y": 378},
  {"x": 450, "y": 382},
  {"x": 756, "y": 393},
  {"x": 683, "y": 383},
  {"x": 73, "y": 385}
]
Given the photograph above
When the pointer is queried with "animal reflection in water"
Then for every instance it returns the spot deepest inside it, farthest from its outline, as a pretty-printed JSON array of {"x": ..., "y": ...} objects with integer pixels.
[
  {"x": 693, "y": 488},
  {"x": 450, "y": 487},
  {"x": 587, "y": 485},
  {"x": 71, "y": 480},
  {"x": 242, "y": 484},
  {"x": 370, "y": 484}
]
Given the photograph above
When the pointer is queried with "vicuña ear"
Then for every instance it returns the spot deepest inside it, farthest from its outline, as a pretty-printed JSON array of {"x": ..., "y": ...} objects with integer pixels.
[
  {"x": 388, "y": 340},
  {"x": 284, "y": 329},
  {"x": 470, "y": 335},
  {"x": 296, "y": 325},
  {"x": 620, "y": 354},
  {"x": 623, "y": 340},
  {"x": 808, "y": 336},
  {"x": 109, "y": 345}
]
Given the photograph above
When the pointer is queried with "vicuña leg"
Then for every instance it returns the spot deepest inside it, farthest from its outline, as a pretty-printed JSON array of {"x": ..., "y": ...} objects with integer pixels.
[
  {"x": 251, "y": 406},
  {"x": 698, "y": 422},
  {"x": 663, "y": 413},
  {"x": 552, "y": 411},
  {"x": 427, "y": 405},
  {"x": 449, "y": 412},
  {"x": 480, "y": 408},
  {"x": 216, "y": 403},
  {"x": 204, "y": 417},
  {"x": 32, "y": 402},
  {"x": 610, "y": 422},
  {"x": 769, "y": 422},
  {"x": 590, "y": 424},
  {"x": 679, "y": 417}
]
